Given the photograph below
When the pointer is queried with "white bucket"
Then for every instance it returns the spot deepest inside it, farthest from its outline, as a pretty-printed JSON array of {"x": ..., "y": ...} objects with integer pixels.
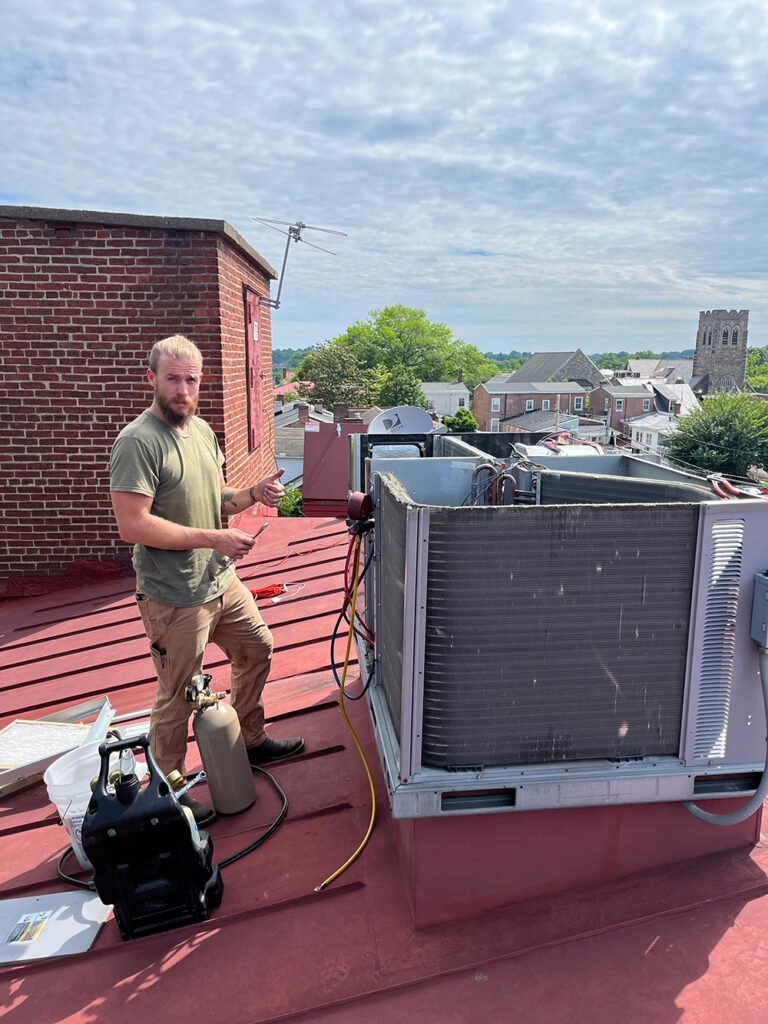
[{"x": 69, "y": 787}]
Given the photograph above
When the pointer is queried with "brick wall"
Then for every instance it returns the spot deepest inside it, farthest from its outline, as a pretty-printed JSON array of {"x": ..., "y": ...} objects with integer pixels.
[
  {"x": 632, "y": 406},
  {"x": 80, "y": 305},
  {"x": 230, "y": 412},
  {"x": 481, "y": 404},
  {"x": 515, "y": 404}
]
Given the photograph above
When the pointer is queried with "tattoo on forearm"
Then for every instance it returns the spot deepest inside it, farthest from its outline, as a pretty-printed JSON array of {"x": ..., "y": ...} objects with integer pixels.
[
  {"x": 228, "y": 498},
  {"x": 252, "y": 493}
]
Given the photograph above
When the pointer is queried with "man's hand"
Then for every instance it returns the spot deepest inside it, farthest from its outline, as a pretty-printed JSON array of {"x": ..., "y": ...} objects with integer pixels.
[
  {"x": 270, "y": 491},
  {"x": 232, "y": 543}
]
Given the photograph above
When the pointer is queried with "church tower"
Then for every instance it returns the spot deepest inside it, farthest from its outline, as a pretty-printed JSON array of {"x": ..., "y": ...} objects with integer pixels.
[{"x": 721, "y": 348}]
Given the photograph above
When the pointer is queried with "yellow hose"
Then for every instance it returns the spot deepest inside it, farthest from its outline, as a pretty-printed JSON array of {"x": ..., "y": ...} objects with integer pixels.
[{"x": 361, "y": 847}]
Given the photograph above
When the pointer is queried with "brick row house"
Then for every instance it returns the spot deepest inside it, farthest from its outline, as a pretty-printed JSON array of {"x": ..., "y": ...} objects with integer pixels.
[
  {"x": 617, "y": 403},
  {"x": 84, "y": 295},
  {"x": 503, "y": 398}
]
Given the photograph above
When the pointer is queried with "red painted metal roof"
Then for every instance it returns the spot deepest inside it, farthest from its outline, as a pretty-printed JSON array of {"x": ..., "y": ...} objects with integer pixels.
[{"x": 686, "y": 943}]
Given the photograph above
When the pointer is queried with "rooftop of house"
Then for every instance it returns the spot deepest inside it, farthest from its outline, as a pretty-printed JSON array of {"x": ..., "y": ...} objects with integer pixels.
[
  {"x": 681, "y": 393},
  {"x": 628, "y": 390},
  {"x": 682, "y": 943},
  {"x": 661, "y": 421},
  {"x": 642, "y": 367},
  {"x": 291, "y": 413},
  {"x": 543, "y": 365},
  {"x": 451, "y": 386},
  {"x": 506, "y": 385},
  {"x": 676, "y": 371}
]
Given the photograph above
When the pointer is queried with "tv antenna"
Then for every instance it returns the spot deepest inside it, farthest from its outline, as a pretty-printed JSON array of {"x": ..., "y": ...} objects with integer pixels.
[{"x": 294, "y": 234}]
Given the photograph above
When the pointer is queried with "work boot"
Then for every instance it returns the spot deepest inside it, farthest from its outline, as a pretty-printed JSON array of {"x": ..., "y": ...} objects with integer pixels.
[
  {"x": 203, "y": 815},
  {"x": 274, "y": 750}
]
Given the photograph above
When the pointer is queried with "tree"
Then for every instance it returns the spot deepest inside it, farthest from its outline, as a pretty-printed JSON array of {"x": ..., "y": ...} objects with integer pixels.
[
  {"x": 291, "y": 503},
  {"x": 757, "y": 368},
  {"x": 726, "y": 434},
  {"x": 610, "y": 360},
  {"x": 288, "y": 357},
  {"x": 402, "y": 336},
  {"x": 337, "y": 376},
  {"x": 402, "y": 388},
  {"x": 462, "y": 423}
]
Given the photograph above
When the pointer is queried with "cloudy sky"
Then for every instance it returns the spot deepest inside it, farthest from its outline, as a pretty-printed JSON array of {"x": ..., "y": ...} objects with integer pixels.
[{"x": 537, "y": 174}]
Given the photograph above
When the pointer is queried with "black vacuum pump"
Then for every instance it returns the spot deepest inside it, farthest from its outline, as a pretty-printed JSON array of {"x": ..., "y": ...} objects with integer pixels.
[{"x": 149, "y": 858}]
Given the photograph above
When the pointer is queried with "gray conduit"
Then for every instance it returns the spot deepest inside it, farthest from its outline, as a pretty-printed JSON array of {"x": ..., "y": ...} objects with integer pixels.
[{"x": 761, "y": 792}]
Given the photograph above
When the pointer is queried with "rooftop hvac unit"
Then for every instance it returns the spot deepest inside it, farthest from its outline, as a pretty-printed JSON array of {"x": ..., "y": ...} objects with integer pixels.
[{"x": 591, "y": 648}]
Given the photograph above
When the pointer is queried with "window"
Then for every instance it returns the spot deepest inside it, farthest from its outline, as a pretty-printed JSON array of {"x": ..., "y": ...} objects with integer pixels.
[
  {"x": 461, "y": 403},
  {"x": 646, "y": 405},
  {"x": 494, "y": 425},
  {"x": 545, "y": 404},
  {"x": 619, "y": 405},
  {"x": 725, "y": 336},
  {"x": 735, "y": 336},
  {"x": 578, "y": 403},
  {"x": 709, "y": 339},
  {"x": 529, "y": 405},
  {"x": 649, "y": 439},
  {"x": 607, "y": 404},
  {"x": 495, "y": 405}
]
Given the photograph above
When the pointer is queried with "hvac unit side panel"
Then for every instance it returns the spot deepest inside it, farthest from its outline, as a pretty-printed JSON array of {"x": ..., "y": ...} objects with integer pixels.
[
  {"x": 568, "y": 488},
  {"x": 556, "y": 633},
  {"x": 391, "y": 515},
  {"x": 414, "y": 601},
  {"x": 725, "y": 718}
]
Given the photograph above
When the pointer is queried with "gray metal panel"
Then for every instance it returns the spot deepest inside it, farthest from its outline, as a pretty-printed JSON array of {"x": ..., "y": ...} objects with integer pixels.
[
  {"x": 436, "y": 481},
  {"x": 556, "y": 633},
  {"x": 415, "y": 598},
  {"x": 391, "y": 515},
  {"x": 566, "y": 488},
  {"x": 726, "y": 721}
]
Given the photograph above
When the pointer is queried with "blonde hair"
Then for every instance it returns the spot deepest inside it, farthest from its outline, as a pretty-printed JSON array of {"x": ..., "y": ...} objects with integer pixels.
[{"x": 177, "y": 347}]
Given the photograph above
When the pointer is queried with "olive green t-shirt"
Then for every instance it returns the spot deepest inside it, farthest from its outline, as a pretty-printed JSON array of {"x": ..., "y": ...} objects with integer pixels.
[{"x": 181, "y": 473}]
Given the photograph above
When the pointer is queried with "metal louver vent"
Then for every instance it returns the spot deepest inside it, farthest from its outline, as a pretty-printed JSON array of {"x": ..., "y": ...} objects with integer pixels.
[{"x": 719, "y": 641}]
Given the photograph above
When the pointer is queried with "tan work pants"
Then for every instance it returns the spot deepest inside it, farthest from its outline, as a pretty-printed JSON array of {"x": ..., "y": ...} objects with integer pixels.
[{"x": 177, "y": 641}]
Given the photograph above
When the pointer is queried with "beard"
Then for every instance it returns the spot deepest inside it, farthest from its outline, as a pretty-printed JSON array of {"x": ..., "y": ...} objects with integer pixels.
[{"x": 173, "y": 416}]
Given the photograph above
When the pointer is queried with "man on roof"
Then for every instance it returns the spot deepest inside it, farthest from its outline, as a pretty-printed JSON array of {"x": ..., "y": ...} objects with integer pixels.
[{"x": 169, "y": 494}]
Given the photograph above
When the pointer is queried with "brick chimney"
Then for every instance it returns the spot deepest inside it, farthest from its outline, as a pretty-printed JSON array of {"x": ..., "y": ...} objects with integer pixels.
[
  {"x": 460, "y": 377},
  {"x": 676, "y": 408},
  {"x": 279, "y": 399},
  {"x": 303, "y": 412},
  {"x": 340, "y": 412},
  {"x": 319, "y": 405}
]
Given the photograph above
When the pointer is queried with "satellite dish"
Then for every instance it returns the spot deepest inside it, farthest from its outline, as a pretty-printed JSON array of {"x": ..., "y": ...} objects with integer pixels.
[{"x": 403, "y": 419}]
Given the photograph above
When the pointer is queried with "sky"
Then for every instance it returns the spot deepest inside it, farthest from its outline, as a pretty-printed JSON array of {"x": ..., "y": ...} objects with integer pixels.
[{"x": 539, "y": 175}]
